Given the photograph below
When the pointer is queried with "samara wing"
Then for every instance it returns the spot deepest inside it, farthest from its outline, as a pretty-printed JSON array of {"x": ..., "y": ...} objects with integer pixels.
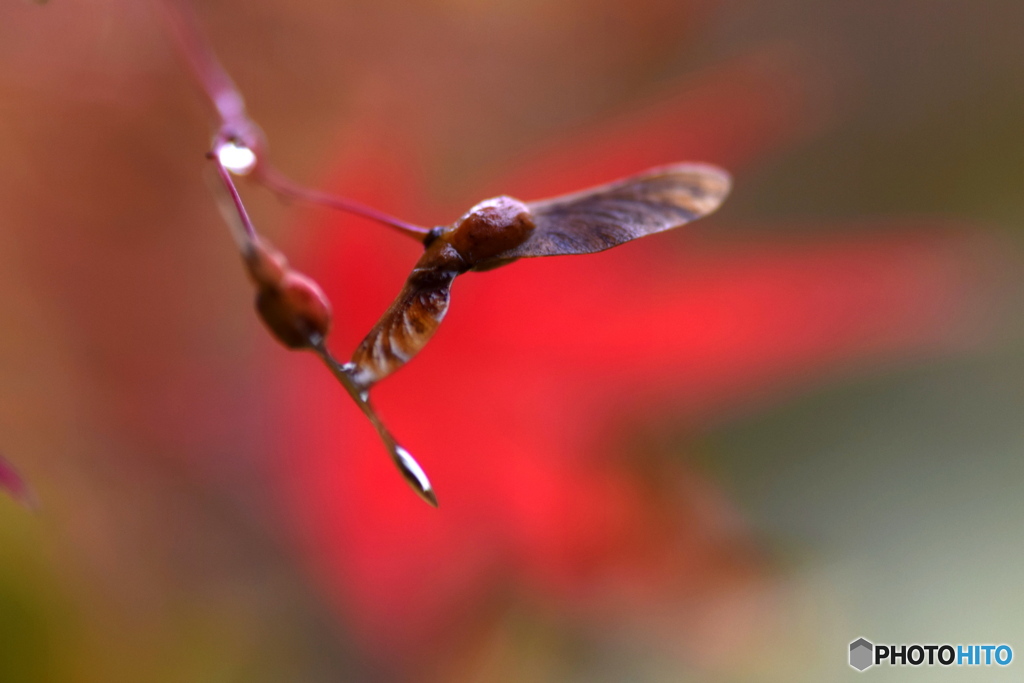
[
  {"x": 580, "y": 223},
  {"x": 405, "y": 328},
  {"x": 606, "y": 216}
]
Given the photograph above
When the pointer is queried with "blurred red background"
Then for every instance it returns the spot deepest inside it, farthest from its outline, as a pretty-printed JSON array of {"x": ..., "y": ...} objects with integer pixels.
[{"x": 655, "y": 463}]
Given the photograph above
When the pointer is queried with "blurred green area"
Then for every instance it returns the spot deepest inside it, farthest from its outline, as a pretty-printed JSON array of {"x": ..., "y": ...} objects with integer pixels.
[
  {"x": 929, "y": 102},
  {"x": 900, "y": 508},
  {"x": 36, "y": 613}
]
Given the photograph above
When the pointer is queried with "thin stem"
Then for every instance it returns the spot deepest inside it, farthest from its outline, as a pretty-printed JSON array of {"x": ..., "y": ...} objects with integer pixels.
[
  {"x": 274, "y": 181},
  {"x": 236, "y": 126},
  {"x": 202, "y": 61},
  {"x": 248, "y": 230},
  {"x": 407, "y": 465}
]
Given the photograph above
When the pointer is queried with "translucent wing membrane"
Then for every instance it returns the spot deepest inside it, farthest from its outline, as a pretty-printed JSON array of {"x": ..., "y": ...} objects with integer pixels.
[{"x": 609, "y": 215}]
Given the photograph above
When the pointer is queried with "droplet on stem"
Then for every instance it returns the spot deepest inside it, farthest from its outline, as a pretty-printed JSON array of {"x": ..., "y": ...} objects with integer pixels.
[
  {"x": 407, "y": 465},
  {"x": 238, "y": 159},
  {"x": 414, "y": 474}
]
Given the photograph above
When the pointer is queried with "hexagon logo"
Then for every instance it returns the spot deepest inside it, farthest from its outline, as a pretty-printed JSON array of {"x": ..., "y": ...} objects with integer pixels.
[{"x": 861, "y": 654}]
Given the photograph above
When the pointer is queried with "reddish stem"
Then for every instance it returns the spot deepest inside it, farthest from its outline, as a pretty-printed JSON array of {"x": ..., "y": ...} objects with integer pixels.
[
  {"x": 206, "y": 68},
  {"x": 238, "y": 129},
  {"x": 276, "y": 182},
  {"x": 236, "y": 199},
  {"x": 236, "y": 126}
]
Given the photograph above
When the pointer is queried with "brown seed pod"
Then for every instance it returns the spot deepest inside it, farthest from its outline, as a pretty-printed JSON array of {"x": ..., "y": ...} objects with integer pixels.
[
  {"x": 490, "y": 228},
  {"x": 292, "y": 306},
  {"x": 498, "y": 231}
]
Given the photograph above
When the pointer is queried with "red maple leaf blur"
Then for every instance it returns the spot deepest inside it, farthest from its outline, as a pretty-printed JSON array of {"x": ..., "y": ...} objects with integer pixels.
[
  {"x": 521, "y": 406},
  {"x": 14, "y": 485}
]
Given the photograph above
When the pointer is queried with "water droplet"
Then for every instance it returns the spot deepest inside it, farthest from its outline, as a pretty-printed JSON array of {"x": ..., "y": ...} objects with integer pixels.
[
  {"x": 236, "y": 158},
  {"x": 415, "y": 475}
]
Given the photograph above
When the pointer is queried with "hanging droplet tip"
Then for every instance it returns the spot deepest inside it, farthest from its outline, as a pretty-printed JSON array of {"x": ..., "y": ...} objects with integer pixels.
[
  {"x": 415, "y": 475},
  {"x": 430, "y": 497}
]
